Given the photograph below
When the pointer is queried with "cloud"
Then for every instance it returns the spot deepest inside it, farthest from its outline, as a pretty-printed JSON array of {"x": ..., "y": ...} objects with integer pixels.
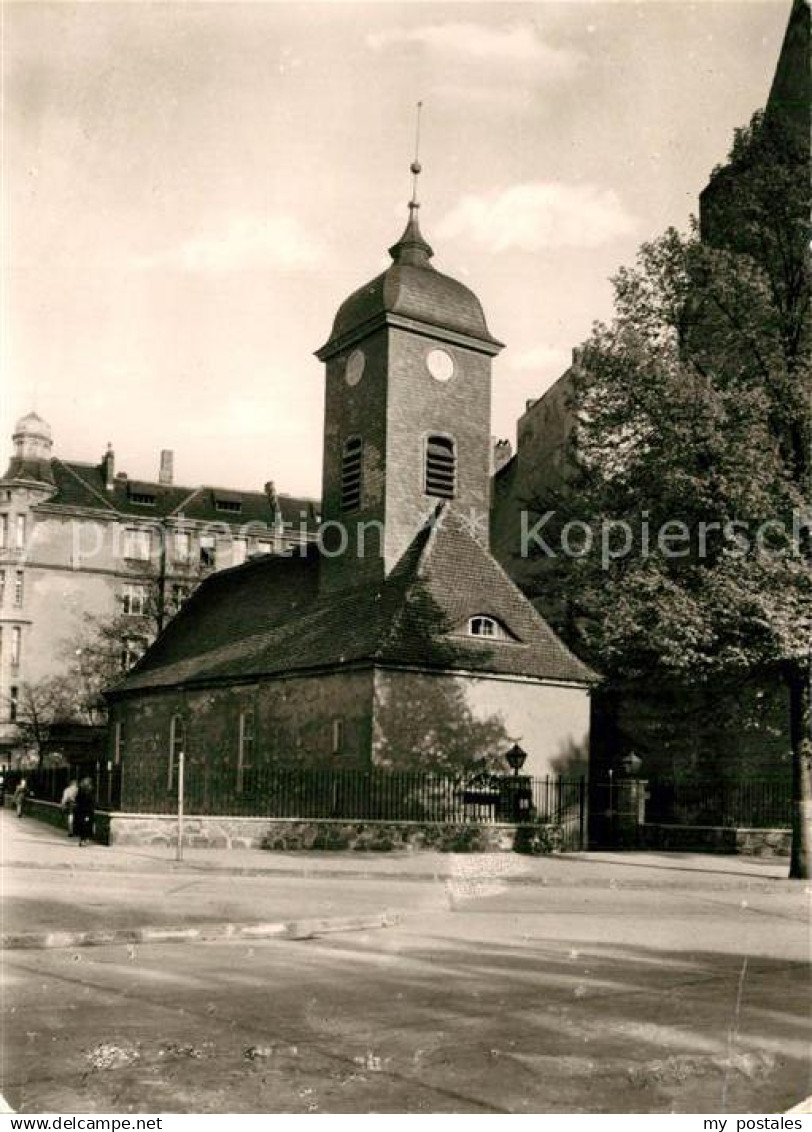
[
  {"x": 510, "y": 44},
  {"x": 538, "y": 215},
  {"x": 543, "y": 357},
  {"x": 246, "y": 243},
  {"x": 244, "y": 417}
]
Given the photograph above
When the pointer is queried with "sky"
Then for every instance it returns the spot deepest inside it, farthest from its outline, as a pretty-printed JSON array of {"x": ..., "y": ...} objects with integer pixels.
[{"x": 189, "y": 191}]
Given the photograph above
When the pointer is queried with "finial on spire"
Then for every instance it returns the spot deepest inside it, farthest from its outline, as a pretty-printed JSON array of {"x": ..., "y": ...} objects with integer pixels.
[
  {"x": 411, "y": 249},
  {"x": 416, "y": 167}
]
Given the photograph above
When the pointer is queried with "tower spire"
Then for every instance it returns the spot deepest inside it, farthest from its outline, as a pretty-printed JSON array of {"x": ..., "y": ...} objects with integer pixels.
[
  {"x": 416, "y": 167},
  {"x": 411, "y": 248}
]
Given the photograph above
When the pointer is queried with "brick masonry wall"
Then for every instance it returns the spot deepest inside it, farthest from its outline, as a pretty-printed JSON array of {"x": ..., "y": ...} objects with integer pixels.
[
  {"x": 540, "y": 467},
  {"x": 358, "y": 410},
  {"x": 293, "y": 726},
  {"x": 417, "y": 406},
  {"x": 394, "y": 407}
]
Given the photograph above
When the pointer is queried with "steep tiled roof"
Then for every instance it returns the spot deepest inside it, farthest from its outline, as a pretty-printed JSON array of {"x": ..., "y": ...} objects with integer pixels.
[
  {"x": 266, "y": 619},
  {"x": 421, "y": 293},
  {"x": 82, "y": 485},
  {"x": 30, "y": 468},
  {"x": 79, "y": 485},
  {"x": 411, "y": 288}
]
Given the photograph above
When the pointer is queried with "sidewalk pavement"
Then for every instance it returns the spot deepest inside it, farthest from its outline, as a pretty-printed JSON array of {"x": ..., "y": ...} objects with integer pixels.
[
  {"x": 58, "y": 894},
  {"x": 27, "y": 843}
]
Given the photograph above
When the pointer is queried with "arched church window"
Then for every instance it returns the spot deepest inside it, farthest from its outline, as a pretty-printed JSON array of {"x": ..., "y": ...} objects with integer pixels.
[
  {"x": 441, "y": 467},
  {"x": 351, "y": 463}
]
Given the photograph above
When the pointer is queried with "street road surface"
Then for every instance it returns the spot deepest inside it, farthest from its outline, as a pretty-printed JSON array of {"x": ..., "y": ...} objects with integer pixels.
[{"x": 489, "y": 997}]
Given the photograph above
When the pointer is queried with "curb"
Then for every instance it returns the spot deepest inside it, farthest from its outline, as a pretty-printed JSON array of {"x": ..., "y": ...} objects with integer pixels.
[
  {"x": 721, "y": 882},
  {"x": 280, "y": 929}
]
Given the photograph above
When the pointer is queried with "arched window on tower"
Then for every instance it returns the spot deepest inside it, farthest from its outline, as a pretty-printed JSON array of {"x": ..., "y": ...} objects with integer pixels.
[
  {"x": 441, "y": 467},
  {"x": 351, "y": 464}
]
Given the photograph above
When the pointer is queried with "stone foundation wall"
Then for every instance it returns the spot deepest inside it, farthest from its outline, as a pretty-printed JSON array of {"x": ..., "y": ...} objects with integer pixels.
[
  {"x": 290, "y": 834},
  {"x": 385, "y": 836},
  {"x": 212, "y": 832},
  {"x": 209, "y": 832},
  {"x": 717, "y": 839}
]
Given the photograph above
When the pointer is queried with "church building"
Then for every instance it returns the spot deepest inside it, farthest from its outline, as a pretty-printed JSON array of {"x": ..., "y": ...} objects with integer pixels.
[{"x": 397, "y": 641}]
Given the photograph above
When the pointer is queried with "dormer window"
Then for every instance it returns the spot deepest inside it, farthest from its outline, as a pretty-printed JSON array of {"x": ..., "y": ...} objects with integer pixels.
[
  {"x": 228, "y": 501},
  {"x": 441, "y": 467},
  {"x": 484, "y": 626},
  {"x": 351, "y": 463},
  {"x": 142, "y": 494}
]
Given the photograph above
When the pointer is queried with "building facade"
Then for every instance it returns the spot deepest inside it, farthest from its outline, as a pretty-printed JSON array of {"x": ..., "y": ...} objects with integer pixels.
[{"x": 79, "y": 541}]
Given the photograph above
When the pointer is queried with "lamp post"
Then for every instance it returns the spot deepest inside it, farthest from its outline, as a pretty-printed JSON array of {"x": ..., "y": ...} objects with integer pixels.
[
  {"x": 630, "y": 764},
  {"x": 179, "y": 846},
  {"x": 521, "y": 797},
  {"x": 516, "y": 758}
]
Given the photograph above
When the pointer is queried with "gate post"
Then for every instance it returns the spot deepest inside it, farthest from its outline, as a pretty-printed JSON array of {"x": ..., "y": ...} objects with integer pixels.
[
  {"x": 582, "y": 814},
  {"x": 630, "y": 804}
]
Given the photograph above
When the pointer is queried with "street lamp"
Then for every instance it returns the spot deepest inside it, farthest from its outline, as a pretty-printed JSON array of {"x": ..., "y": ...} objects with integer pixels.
[
  {"x": 516, "y": 758},
  {"x": 630, "y": 764}
]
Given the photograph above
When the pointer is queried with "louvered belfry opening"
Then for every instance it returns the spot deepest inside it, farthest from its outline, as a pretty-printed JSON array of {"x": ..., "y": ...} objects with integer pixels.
[
  {"x": 441, "y": 467},
  {"x": 351, "y": 460}
]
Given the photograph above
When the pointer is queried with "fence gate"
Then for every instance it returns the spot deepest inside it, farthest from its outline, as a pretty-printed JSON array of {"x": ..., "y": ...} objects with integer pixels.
[{"x": 563, "y": 803}]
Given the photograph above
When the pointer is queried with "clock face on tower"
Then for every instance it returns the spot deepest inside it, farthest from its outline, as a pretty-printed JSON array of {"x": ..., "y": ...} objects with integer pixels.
[
  {"x": 440, "y": 365},
  {"x": 354, "y": 369}
]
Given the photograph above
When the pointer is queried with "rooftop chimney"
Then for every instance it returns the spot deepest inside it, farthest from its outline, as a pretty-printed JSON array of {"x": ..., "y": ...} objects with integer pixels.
[
  {"x": 108, "y": 465},
  {"x": 273, "y": 499},
  {"x": 165, "y": 473},
  {"x": 501, "y": 452}
]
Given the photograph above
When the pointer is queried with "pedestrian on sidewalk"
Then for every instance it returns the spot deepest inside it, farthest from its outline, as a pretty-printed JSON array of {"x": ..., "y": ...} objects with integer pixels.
[
  {"x": 20, "y": 796},
  {"x": 83, "y": 810},
  {"x": 68, "y": 803}
]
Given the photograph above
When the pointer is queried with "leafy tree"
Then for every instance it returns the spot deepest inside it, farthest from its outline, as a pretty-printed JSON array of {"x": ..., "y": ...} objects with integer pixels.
[
  {"x": 691, "y": 458},
  {"x": 109, "y": 646},
  {"x": 437, "y": 731},
  {"x": 41, "y": 708}
]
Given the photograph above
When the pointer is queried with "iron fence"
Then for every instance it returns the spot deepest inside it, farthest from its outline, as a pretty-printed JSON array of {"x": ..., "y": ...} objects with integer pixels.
[
  {"x": 356, "y": 795},
  {"x": 385, "y": 795},
  {"x": 47, "y": 784},
  {"x": 750, "y": 803}
]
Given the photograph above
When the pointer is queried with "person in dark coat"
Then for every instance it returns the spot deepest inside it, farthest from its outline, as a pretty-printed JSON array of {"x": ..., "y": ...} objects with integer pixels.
[{"x": 83, "y": 810}]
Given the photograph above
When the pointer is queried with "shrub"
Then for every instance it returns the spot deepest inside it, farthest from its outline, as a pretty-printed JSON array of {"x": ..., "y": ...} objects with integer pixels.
[{"x": 537, "y": 838}]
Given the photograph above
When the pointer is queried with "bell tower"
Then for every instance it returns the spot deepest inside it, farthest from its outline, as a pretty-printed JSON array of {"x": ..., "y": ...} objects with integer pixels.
[{"x": 407, "y": 412}]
